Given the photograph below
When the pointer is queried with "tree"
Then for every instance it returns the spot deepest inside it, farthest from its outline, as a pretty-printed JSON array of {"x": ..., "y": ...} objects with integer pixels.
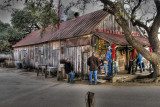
[
  {"x": 34, "y": 16},
  {"x": 8, "y": 37},
  {"x": 24, "y": 21}
]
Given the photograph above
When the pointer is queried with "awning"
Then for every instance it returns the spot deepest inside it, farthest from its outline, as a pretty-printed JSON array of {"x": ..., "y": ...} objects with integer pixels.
[
  {"x": 120, "y": 39},
  {"x": 78, "y": 42}
]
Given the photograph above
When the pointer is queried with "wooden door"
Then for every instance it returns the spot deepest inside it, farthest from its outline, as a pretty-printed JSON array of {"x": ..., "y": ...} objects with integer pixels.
[{"x": 84, "y": 64}]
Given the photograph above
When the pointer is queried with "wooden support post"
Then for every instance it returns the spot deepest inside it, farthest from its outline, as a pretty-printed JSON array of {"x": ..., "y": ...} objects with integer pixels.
[
  {"x": 113, "y": 68},
  {"x": 150, "y": 48},
  {"x": 127, "y": 58},
  {"x": 113, "y": 59},
  {"x": 134, "y": 62},
  {"x": 90, "y": 99},
  {"x": 59, "y": 74},
  {"x": 134, "y": 66}
]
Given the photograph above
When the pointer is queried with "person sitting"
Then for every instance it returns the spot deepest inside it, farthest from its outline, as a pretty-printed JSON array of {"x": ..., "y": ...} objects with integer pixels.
[
  {"x": 103, "y": 65},
  {"x": 69, "y": 70}
]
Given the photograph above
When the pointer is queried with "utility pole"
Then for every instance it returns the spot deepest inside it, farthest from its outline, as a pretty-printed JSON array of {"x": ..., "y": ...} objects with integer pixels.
[
  {"x": 59, "y": 73},
  {"x": 59, "y": 15}
]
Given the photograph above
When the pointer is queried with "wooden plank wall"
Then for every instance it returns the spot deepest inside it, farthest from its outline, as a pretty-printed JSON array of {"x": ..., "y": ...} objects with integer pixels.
[
  {"x": 48, "y": 53},
  {"x": 110, "y": 24}
]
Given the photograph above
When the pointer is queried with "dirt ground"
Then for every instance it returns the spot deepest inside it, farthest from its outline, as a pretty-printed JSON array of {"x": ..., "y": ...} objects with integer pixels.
[{"x": 33, "y": 75}]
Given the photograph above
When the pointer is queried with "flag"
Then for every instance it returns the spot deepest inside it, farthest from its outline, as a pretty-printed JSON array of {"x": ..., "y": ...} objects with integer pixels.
[
  {"x": 150, "y": 48},
  {"x": 113, "y": 51},
  {"x": 59, "y": 12}
]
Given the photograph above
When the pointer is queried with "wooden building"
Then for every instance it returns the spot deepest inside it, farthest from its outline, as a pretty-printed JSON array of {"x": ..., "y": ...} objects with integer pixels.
[{"x": 79, "y": 37}]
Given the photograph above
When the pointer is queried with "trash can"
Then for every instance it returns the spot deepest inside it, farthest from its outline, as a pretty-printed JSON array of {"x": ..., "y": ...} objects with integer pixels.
[
  {"x": 2, "y": 65},
  {"x": 18, "y": 65}
]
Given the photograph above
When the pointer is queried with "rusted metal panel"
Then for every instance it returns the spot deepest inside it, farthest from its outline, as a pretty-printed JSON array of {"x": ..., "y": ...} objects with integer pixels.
[{"x": 78, "y": 42}]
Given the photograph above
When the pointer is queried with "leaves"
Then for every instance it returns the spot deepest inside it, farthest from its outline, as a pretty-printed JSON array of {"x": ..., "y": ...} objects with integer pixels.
[
  {"x": 35, "y": 15},
  {"x": 8, "y": 37}
]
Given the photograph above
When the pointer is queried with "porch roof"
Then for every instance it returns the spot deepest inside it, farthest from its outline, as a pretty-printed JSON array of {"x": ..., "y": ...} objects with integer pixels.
[{"x": 120, "y": 39}]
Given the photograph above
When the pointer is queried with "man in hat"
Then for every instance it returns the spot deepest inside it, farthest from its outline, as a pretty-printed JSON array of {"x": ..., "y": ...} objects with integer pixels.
[
  {"x": 109, "y": 59},
  {"x": 93, "y": 63}
]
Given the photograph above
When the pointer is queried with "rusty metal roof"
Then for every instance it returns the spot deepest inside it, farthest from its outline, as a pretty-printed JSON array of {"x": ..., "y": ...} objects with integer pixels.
[
  {"x": 68, "y": 29},
  {"x": 78, "y": 42},
  {"x": 120, "y": 39}
]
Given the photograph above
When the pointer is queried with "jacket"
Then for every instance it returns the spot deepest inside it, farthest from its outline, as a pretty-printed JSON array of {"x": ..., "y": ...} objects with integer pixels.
[
  {"x": 109, "y": 55},
  {"x": 93, "y": 62},
  {"x": 68, "y": 67}
]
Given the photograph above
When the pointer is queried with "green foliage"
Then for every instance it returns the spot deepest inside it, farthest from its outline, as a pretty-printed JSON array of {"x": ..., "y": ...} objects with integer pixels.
[
  {"x": 24, "y": 20},
  {"x": 34, "y": 16},
  {"x": 8, "y": 37},
  {"x": 48, "y": 16}
]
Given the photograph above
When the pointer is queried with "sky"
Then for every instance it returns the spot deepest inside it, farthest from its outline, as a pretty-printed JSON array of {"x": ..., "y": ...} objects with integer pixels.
[{"x": 5, "y": 15}]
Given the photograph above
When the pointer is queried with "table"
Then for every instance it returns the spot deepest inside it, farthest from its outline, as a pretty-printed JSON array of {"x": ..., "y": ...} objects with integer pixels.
[
  {"x": 43, "y": 67},
  {"x": 49, "y": 68}
]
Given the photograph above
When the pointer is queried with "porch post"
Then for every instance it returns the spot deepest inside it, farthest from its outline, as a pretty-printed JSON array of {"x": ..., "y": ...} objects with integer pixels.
[
  {"x": 134, "y": 62},
  {"x": 127, "y": 57},
  {"x": 150, "y": 48},
  {"x": 113, "y": 59}
]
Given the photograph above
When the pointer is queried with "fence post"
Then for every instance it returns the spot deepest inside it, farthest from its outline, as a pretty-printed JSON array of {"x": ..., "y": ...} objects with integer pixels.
[{"x": 90, "y": 99}]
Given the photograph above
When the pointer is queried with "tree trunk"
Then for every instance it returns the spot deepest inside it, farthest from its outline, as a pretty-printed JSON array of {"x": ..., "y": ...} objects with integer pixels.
[
  {"x": 114, "y": 9},
  {"x": 156, "y": 72}
]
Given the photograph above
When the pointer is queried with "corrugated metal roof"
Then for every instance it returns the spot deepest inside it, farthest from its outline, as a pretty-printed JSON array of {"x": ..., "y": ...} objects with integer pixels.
[
  {"x": 120, "y": 39},
  {"x": 72, "y": 28}
]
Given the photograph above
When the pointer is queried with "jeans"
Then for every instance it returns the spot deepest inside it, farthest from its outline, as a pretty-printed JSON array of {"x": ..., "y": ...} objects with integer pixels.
[
  {"x": 143, "y": 66},
  {"x": 72, "y": 74},
  {"x": 110, "y": 68},
  {"x": 110, "y": 73},
  {"x": 105, "y": 68},
  {"x": 95, "y": 77},
  {"x": 139, "y": 63},
  {"x": 130, "y": 66}
]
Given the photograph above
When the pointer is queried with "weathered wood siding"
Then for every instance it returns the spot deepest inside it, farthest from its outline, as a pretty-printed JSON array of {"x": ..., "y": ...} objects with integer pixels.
[
  {"x": 109, "y": 23},
  {"x": 48, "y": 53}
]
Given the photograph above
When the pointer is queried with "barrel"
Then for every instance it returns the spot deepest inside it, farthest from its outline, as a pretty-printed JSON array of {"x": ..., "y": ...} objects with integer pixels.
[
  {"x": 2, "y": 65},
  {"x": 18, "y": 65}
]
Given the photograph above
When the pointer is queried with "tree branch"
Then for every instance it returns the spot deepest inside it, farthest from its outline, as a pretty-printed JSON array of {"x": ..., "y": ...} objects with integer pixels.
[
  {"x": 153, "y": 38},
  {"x": 138, "y": 22},
  {"x": 125, "y": 26}
]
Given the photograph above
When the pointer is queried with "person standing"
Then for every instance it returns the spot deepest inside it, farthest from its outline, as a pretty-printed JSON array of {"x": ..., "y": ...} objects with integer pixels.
[
  {"x": 109, "y": 59},
  {"x": 93, "y": 63},
  {"x": 139, "y": 62},
  {"x": 69, "y": 70}
]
